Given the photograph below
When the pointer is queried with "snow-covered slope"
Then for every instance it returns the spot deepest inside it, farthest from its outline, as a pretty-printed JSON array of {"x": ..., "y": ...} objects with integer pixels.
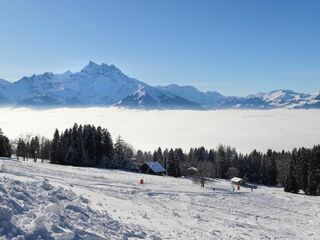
[
  {"x": 274, "y": 99},
  {"x": 4, "y": 82},
  {"x": 206, "y": 99},
  {"x": 280, "y": 98},
  {"x": 61, "y": 202},
  {"x": 103, "y": 85},
  {"x": 150, "y": 97},
  {"x": 310, "y": 101},
  {"x": 4, "y": 100}
]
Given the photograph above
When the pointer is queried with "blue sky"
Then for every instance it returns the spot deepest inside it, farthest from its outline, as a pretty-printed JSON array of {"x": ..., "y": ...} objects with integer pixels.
[{"x": 234, "y": 47}]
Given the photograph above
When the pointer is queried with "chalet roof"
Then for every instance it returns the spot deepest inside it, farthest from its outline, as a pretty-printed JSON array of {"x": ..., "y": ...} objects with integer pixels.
[
  {"x": 193, "y": 169},
  {"x": 156, "y": 167},
  {"x": 236, "y": 179}
]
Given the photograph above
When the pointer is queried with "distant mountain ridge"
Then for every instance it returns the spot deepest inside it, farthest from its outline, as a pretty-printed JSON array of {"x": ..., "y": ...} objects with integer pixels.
[{"x": 107, "y": 85}]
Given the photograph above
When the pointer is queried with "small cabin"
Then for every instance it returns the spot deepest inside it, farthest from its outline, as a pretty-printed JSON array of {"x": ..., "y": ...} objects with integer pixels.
[
  {"x": 236, "y": 181},
  {"x": 154, "y": 168}
]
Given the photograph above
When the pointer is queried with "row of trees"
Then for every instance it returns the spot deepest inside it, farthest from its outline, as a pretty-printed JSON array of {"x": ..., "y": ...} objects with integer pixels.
[
  {"x": 295, "y": 170},
  {"x": 90, "y": 146},
  {"x": 304, "y": 171},
  {"x": 34, "y": 147},
  {"x": 225, "y": 162},
  {"x": 82, "y": 146}
]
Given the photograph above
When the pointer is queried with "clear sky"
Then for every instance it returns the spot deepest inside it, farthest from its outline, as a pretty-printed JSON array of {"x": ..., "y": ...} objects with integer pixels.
[{"x": 234, "y": 47}]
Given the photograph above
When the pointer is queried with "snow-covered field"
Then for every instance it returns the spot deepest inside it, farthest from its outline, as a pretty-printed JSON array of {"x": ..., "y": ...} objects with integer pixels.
[
  {"x": 147, "y": 130},
  {"x": 83, "y": 203}
]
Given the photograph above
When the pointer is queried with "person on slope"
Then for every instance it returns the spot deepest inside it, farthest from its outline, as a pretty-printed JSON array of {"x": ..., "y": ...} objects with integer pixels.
[{"x": 202, "y": 181}]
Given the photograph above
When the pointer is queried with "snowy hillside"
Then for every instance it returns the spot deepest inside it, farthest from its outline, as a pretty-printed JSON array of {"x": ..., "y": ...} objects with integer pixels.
[
  {"x": 149, "y": 97},
  {"x": 62, "y": 202},
  {"x": 205, "y": 99},
  {"x": 3, "y": 88},
  {"x": 105, "y": 85},
  {"x": 3, "y": 82}
]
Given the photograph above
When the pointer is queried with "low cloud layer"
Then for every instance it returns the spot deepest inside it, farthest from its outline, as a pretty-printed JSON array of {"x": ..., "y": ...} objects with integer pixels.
[{"x": 243, "y": 129}]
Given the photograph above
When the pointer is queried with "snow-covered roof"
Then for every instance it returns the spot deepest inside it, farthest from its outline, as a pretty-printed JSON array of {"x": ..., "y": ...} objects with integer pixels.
[
  {"x": 193, "y": 169},
  {"x": 236, "y": 179},
  {"x": 156, "y": 167}
]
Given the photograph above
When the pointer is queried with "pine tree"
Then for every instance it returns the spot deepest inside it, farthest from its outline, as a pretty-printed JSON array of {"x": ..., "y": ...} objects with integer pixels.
[
  {"x": 220, "y": 159},
  {"x": 270, "y": 169},
  {"x": 304, "y": 156},
  {"x": 90, "y": 145},
  {"x": 55, "y": 155},
  {"x": 5, "y": 146},
  {"x": 34, "y": 148},
  {"x": 45, "y": 148},
  {"x": 159, "y": 155},
  {"x": 21, "y": 149},
  {"x": 154, "y": 156},
  {"x": 165, "y": 156},
  {"x": 75, "y": 146},
  {"x": 107, "y": 146},
  {"x": 99, "y": 147},
  {"x": 291, "y": 184},
  {"x": 171, "y": 169},
  {"x": 179, "y": 158},
  {"x": 314, "y": 172},
  {"x": 119, "y": 153}
]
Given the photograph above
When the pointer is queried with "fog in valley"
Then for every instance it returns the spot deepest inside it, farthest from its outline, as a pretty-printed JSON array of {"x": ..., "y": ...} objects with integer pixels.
[{"x": 147, "y": 130}]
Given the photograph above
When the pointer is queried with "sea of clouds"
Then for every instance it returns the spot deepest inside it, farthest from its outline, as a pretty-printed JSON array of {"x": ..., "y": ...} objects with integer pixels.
[{"x": 147, "y": 130}]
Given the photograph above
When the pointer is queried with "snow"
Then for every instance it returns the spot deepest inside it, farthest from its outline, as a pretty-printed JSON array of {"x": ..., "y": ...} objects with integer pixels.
[
  {"x": 236, "y": 179},
  {"x": 140, "y": 92},
  {"x": 286, "y": 98},
  {"x": 64, "y": 202},
  {"x": 193, "y": 94},
  {"x": 147, "y": 130}
]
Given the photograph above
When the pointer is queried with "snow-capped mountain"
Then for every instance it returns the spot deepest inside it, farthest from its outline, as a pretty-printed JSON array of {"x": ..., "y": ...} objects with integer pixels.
[
  {"x": 93, "y": 85},
  {"x": 280, "y": 98},
  {"x": 106, "y": 85},
  {"x": 274, "y": 99}
]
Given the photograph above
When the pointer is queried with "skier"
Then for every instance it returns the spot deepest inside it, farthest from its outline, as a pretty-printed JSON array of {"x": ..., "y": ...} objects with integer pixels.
[
  {"x": 232, "y": 188},
  {"x": 202, "y": 181}
]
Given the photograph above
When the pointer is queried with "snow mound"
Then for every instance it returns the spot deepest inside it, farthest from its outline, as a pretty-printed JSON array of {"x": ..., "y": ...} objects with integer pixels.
[{"x": 38, "y": 210}]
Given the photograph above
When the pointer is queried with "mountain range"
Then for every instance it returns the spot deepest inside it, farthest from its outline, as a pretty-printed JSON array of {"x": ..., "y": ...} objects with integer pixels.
[{"x": 107, "y": 85}]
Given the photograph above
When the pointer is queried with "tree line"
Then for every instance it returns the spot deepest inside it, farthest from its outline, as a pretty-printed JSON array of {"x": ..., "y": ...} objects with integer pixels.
[
  {"x": 90, "y": 146},
  {"x": 304, "y": 171},
  {"x": 295, "y": 170},
  {"x": 33, "y": 147}
]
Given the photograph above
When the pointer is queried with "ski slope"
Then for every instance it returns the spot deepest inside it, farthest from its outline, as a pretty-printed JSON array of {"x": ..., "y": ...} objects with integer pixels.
[{"x": 63, "y": 202}]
